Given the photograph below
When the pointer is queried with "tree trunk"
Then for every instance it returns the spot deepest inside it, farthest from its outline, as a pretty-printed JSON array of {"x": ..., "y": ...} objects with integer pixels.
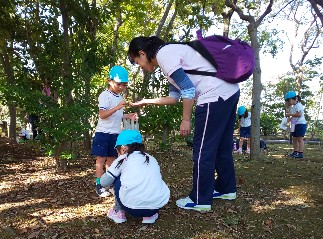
[
  {"x": 165, "y": 133},
  {"x": 67, "y": 99},
  {"x": 8, "y": 69},
  {"x": 61, "y": 164},
  {"x": 256, "y": 93},
  {"x": 163, "y": 20},
  {"x": 13, "y": 121},
  {"x": 91, "y": 28},
  {"x": 257, "y": 86}
]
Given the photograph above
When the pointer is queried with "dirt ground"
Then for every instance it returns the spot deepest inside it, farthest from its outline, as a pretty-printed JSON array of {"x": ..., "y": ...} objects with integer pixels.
[{"x": 278, "y": 197}]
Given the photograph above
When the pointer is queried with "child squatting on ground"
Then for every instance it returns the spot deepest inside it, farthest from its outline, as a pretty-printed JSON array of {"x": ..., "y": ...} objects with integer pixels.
[
  {"x": 138, "y": 185},
  {"x": 244, "y": 127},
  {"x": 111, "y": 106},
  {"x": 298, "y": 123}
]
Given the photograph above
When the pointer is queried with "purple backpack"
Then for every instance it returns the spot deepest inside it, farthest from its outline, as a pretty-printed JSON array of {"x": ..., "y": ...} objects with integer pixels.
[{"x": 234, "y": 60}]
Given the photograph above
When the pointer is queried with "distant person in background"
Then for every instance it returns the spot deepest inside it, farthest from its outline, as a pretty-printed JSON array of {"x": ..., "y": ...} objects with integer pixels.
[
  {"x": 244, "y": 128},
  {"x": 35, "y": 119},
  {"x": 46, "y": 91},
  {"x": 34, "y": 122},
  {"x": 297, "y": 118},
  {"x": 23, "y": 133}
]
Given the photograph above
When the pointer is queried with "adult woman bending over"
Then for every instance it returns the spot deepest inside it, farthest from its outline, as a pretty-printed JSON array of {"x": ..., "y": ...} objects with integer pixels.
[{"x": 216, "y": 104}]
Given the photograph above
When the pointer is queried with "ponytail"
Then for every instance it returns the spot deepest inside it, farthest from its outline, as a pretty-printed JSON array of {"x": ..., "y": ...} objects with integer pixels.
[{"x": 134, "y": 147}]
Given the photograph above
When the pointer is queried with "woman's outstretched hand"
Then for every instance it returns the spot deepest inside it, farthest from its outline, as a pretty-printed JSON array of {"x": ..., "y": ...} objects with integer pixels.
[{"x": 139, "y": 103}]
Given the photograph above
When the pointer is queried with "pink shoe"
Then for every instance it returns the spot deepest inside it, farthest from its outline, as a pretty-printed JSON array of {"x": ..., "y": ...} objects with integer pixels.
[
  {"x": 151, "y": 219},
  {"x": 117, "y": 217}
]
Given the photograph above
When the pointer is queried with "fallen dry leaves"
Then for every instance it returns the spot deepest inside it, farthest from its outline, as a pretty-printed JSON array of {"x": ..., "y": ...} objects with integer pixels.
[{"x": 37, "y": 201}]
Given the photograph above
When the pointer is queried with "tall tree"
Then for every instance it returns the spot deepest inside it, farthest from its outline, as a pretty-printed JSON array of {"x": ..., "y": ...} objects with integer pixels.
[
  {"x": 307, "y": 37},
  {"x": 253, "y": 24},
  {"x": 10, "y": 34}
]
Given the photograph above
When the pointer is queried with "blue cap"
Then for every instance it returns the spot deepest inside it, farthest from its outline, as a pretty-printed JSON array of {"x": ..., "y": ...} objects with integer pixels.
[
  {"x": 119, "y": 74},
  {"x": 129, "y": 136},
  {"x": 290, "y": 94},
  {"x": 241, "y": 110}
]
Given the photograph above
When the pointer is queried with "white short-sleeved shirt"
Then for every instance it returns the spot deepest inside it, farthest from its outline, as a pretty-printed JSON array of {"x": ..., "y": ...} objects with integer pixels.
[
  {"x": 246, "y": 122},
  {"x": 298, "y": 108},
  {"x": 142, "y": 186},
  {"x": 207, "y": 88},
  {"x": 111, "y": 124}
]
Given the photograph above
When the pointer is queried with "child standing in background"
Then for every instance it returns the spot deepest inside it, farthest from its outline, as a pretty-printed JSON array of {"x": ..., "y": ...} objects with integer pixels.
[
  {"x": 111, "y": 106},
  {"x": 244, "y": 127},
  {"x": 298, "y": 119},
  {"x": 23, "y": 133},
  {"x": 138, "y": 185}
]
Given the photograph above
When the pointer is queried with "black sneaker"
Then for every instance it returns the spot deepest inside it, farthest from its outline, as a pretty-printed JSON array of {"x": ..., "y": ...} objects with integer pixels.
[
  {"x": 292, "y": 154},
  {"x": 298, "y": 156},
  {"x": 101, "y": 191}
]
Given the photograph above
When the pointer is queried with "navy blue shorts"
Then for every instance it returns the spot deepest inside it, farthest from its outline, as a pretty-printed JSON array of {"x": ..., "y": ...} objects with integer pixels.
[
  {"x": 245, "y": 132},
  {"x": 300, "y": 130},
  {"x": 103, "y": 145}
]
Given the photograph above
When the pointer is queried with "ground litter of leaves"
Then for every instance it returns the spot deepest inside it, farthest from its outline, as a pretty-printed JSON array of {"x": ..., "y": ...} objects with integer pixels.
[{"x": 278, "y": 197}]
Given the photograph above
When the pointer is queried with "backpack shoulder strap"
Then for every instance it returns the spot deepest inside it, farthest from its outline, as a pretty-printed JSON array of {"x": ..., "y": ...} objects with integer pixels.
[{"x": 198, "y": 46}]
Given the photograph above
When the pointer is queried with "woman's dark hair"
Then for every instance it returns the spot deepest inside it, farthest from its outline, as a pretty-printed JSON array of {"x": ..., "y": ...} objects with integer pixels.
[
  {"x": 245, "y": 115},
  {"x": 150, "y": 45},
  {"x": 135, "y": 147}
]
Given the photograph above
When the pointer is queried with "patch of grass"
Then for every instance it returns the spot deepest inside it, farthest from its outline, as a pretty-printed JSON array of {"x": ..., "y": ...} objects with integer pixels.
[{"x": 278, "y": 197}]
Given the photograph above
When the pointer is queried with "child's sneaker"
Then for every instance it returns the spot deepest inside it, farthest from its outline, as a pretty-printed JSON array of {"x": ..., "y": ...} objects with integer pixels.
[
  {"x": 248, "y": 151},
  {"x": 187, "y": 203},
  {"x": 225, "y": 196},
  {"x": 101, "y": 191},
  {"x": 240, "y": 151},
  {"x": 298, "y": 156},
  {"x": 292, "y": 154},
  {"x": 150, "y": 220},
  {"x": 117, "y": 217}
]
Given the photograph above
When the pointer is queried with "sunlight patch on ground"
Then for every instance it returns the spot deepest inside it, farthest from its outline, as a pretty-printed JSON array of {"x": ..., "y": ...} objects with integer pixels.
[
  {"x": 7, "y": 206},
  {"x": 26, "y": 179},
  {"x": 294, "y": 196},
  {"x": 277, "y": 156},
  {"x": 60, "y": 215}
]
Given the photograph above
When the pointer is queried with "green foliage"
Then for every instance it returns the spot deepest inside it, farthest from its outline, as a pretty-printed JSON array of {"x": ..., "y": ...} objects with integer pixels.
[
  {"x": 270, "y": 41},
  {"x": 268, "y": 124},
  {"x": 32, "y": 35}
]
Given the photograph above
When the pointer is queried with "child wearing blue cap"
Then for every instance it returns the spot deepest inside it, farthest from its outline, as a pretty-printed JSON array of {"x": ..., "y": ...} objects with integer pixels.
[
  {"x": 111, "y": 106},
  {"x": 297, "y": 118},
  {"x": 244, "y": 127},
  {"x": 138, "y": 185}
]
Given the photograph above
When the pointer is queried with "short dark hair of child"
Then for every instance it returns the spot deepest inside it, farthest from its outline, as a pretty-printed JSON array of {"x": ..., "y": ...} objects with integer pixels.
[
  {"x": 131, "y": 148},
  {"x": 245, "y": 115},
  {"x": 293, "y": 98}
]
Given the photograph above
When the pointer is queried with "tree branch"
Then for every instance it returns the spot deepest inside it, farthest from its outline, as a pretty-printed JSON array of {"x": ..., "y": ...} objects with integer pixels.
[{"x": 314, "y": 4}]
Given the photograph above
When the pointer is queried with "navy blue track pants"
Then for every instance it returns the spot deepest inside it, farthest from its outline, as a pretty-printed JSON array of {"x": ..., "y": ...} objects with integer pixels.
[{"x": 212, "y": 149}]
